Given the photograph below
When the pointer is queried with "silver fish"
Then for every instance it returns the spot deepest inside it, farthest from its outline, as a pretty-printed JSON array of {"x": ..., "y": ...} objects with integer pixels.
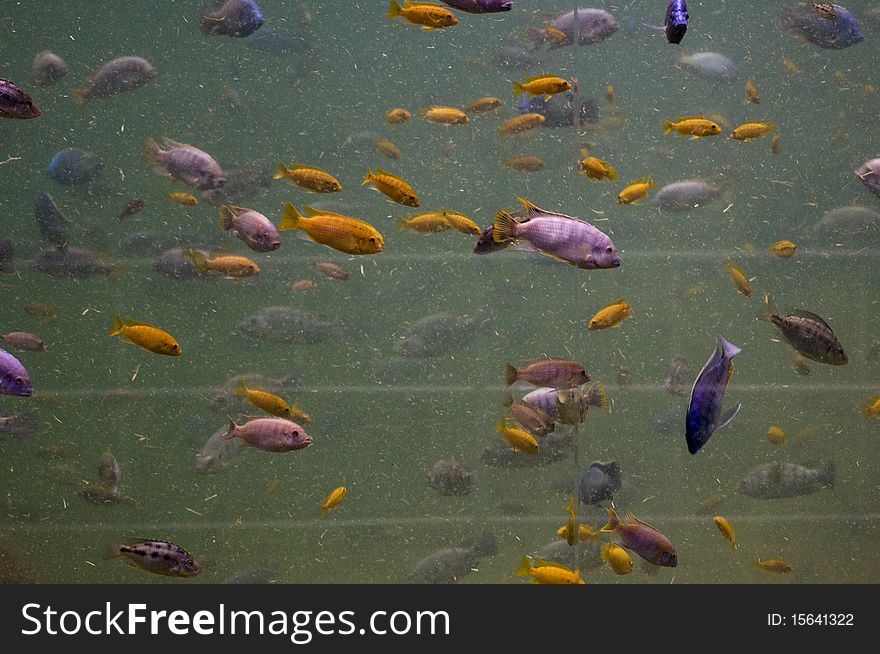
[
  {"x": 852, "y": 220},
  {"x": 218, "y": 452},
  {"x": 48, "y": 69},
  {"x": 449, "y": 477},
  {"x": 686, "y": 195},
  {"x": 710, "y": 65},
  {"x": 186, "y": 163},
  {"x": 251, "y": 227},
  {"x": 109, "y": 471},
  {"x": 778, "y": 479},
  {"x": 807, "y": 333},
  {"x": 288, "y": 325},
  {"x": 436, "y": 334},
  {"x": 447, "y": 566},
  {"x": 675, "y": 379},
  {"x": 116, "y": 76},
  {"x": 593, "y": 25},
  {"x": 545, "y": 399},
  {"x": 565, "y": 238}
]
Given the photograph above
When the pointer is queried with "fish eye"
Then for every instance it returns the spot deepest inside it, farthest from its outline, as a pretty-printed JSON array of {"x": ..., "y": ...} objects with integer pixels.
[
  {"x": 609, "y": 249},
  {"x": 295, "y": 433},
  {"x": 372, "y": 239},
  {"x": 19, "y": 381}
]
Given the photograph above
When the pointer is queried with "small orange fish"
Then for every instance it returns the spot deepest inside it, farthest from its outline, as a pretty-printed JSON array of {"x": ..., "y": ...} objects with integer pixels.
[
  {"x": 777, "y": 435},
  {"x": 428, "y": 222},
  {"x": 302, "y": 285},
  {"x": 521, "y": 123},
  {"x": 228, "y": 265},
  {"x": 461, "y": 222},
  {"x": 739, "y": 278},
  {"x": 752, "y": 94},
  {"x": 635, "y": 191},
  {"x": 783, "y": 249},
  {"x": 397, "y": 115},
  {"x": 774, "y": 565},
  {"x": 427, "y": 14},
  {"x": 148, "y": 336},
  {"x": 610, "y": 315},
  {"x": 182, "y": 198},
  {"x": 726, "y": 528},
  {"x": 524, "y": 162},
  {"x": 395, "y": 188},
  {"x": 333, "y": 499},
  {"x": 386, "y": 147},
  {"x": 597, "y": 169},
  {"x": 546, "y": 85},
  {"x": 517, "y": 437},
  {"x": 313, "y": 178},
  {"x": 752, "y": 130},
  {"x": 482, "y": 105},
  {"x": 693, "y": 126},
  {"x": 444, "y": 115}
]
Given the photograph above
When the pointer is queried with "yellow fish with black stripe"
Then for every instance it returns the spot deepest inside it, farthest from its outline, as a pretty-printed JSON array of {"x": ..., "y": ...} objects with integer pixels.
[
  {"x": 334, "y": 230},
  {"x": 148, "y": 336}
]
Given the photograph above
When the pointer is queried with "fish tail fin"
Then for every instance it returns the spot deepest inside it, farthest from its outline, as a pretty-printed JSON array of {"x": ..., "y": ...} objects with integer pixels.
[
  {"x": 605, "y": 552},
  {"x": 281, "y": 171},
  {"x": 393, "y": 9},
  {"x": 230, "y": 432},
  {"x": 524, "y": 567},
  {"x": 767, "y": 309},
  {"x": 369, "y": 176},
  {"x": 112, "y": 549},
  {"x": 598, "y": 395},
  {"x": 612, "y": 173},
  {"x": 116, "y": 327},
  {"x": 650, "y": 182},
  {"x": 240, "y": 388},
  {"x": 667, "y": 127},
  {"x": 518, "y": 87},
  {"x": 199, "y": 260},
  {"x": 505, "y": 227},
  {"x": 828, "y": 474},
  {"x": 401, "y": 224},
  {"x": 227, "y": 217},
  {"x": 79, "y": 97},
  {"x": 510, "y": 373},
  {"x": 771, "y": 125},
  {"x": 866, "y": 407},
  {"x": 151, "y": 149},
  {"x": 324, "y": 509},
  {"x": 290, "y": 218},
  {"x": 613, "y": 521}
]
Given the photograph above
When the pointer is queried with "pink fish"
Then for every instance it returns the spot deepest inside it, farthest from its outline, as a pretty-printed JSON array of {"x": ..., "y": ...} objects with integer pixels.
[
  {"x": 186, "y": 163},
  {"x": 271, "y": 434}
]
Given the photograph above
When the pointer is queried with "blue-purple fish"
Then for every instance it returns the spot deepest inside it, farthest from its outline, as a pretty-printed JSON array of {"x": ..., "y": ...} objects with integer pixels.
[
  {"x": 252, "y": 227},
  {"x": 186, "y": 163},
  {"x": 14, "y": 379},
  {"x": 823, "y": 24},
  {"x": 239, "y": 18},
  {"x": 704, "y": 410},
  {"x": 480, "y": 6},
  {"x": 676, "y": 22},
  {"x": 565, "y": 238},
  {"x": 15, "y": 103}
]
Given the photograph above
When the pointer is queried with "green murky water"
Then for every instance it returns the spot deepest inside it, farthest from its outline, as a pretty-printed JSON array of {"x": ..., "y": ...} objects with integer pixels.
[{"x": 380, "y": 423}]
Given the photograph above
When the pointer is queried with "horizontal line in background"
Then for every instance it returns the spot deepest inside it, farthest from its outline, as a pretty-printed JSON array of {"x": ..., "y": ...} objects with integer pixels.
[
  {"x": 457, "y": 520},
  {"x": 391, "y": 388}
]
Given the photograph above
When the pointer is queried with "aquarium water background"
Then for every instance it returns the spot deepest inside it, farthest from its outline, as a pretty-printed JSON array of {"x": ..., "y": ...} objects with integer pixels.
[{"x": 379, "y": 422}]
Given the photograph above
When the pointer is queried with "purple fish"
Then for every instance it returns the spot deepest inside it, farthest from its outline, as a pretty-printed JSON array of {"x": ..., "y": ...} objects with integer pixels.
[
  {"x": 545, "y": 399},
  {"x": 643, "y": 539},
  {"x": 252, "y": 227},
  {"x": 14, "y": 379},
  {"x": 869, "y": 173},
  {"x": 15, "y": 103},
  {"x": 704, "y": 409},
  {"x": 823, "y": 24},
  {"x": 480, "y": 6},
  {"x": 675, "y": 23},
  {"x": 186, "y": 163},
  {"x": 122, "y": 74},
  {"x": 271, "y": 434},
  {"x": 556, "y": 235},
  {"x": 237, "y": 18},
  {"x": 595, "y": 25}
]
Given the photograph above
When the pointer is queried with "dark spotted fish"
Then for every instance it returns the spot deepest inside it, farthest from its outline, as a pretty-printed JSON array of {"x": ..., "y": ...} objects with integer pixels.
[
  {"x": 15, "y": 103},
  {"x": 778, "y": 479},
  {"x": 51, "y": 220},
  {"x": 131, "y": 208},
  {"x": 160, "y": 557},
  {"x": 807, "y": 333}
]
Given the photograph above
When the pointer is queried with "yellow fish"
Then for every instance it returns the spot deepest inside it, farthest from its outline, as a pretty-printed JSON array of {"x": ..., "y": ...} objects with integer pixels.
[
  {"x": 386, "y": 147},
  {"x": 609, "y": 92},
  {"x": 395, "y": 188},
  {"x": 693, "y": 292},
  {"x": 871, "y": 407},
  {"x": 397, "y": 115},
  {"x": 482, "y": 105},
  {"x": 571, "y": 533},
  {"x": 334, "y": 230},
  {"x": 546, "y": 85},
  {"x": 617, "y": 558},
  {"x": 228, "y": 265},
  {"x": 334, "y": 498},
  {"x": 777, "y": 435},
  {"x": 428, "y": 222},
  {"x": 752, "y": 94},
  {"x": 597, "y": 169},
  {"x": 783, "y": 249},
  {"x": 636, "y": 191},
  {"x": 518, "y": 438},
  {"x": 312, "y": 178},
  {"x": 739, "y": 278},
  {"x": 461, "y": 222},
  {"x": 146, "y": 335},
  {"x": 444, "y": 115},
  {"x": 695, "y": 126},
  {"x": 789, "y": 66},
  {"x": 548, "y": 572},
  {"x": 752, "y": 130},
  {"x": 585, "y": 532},
  {"x": 182, "y": 198},
  {"x": 611, "y": 315},
  {"x": 774, "y": 565},
  {"x": 726, "y": 528},
  {"x": 427, "y": 14},
  {"x": 521, "y": 123},
  {"x": 268, "y": 402}
]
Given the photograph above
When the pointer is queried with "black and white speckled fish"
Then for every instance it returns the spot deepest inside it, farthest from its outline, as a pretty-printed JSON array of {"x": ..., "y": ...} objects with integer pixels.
[{"x": 160, "y": 557}]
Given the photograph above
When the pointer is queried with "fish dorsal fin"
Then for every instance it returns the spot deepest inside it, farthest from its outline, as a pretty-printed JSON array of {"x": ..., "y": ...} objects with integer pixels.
[
  {"x": 294, "y": 166},
  {"x": 681, "y": 118},
  {"x": 379, "y": 171},
  {"x": 644, "y": 180},
  {"x": 631, "y": 518},
  {"x": 801, "y": 313},
  {"x": 542, "y": 563},
  {"x": 537, "y": 77},
  {"x": 614, "y": 303},
  {"x": 171, "y": 143},
  {"x": 532, "y": 210},
  {"x": 310, "y": 212},
  {"x": 539, "y": 360},
  {"x": 131, "y": 322}
]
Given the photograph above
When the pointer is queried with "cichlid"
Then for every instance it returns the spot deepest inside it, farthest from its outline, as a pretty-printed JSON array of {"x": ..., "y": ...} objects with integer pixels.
[
  {"x": 546, "y": 400},
  {"x": 553, "y": 372},
  {"x": 711, "y": 65},
  {"x": 548, "y": 572},
  {"x": 15, "y": 103},
  {"x": 779, "y": 479},
  {"x": 48, "y": 69},
  {"x": 14, "y": 379},
  {"x": 395, "y": 188},
  {"x": 823, "y": 24},
  {"x": 51, "y": 220},
  {"x": 238, "y": 18},
  {"x": 643, "y": 539},
  {"x": 218, "y": 453},
  {"x": 427, "y": 14},
  {"x": 545, "y": 84},
  {"x": 686, "y": 195},
  {"x": 675, "y": 21},
  {"x": 333, "y": 499},
  {"x": 160, "y": 557},
  {"x": 610, "y": 315},
  {"x": 23, "y": 341},
  {"x": 250, "y": 226},
  {"x": 313, "y": 178},
  {"x": 148, "y": 336},
  {"x": 270, "y": 434},
  {"x": 186, "y": 163},
  {"x": 694, "y": 126},
  {"x": 807, "y": 333},
  {"x": 72, "y": 166},
  {"x": 116, "y": 76},
  {"x": 726, "y": 528},
  {"x": 704, "y": 408},
  {"x": 342, "y": 233},
  {"x": 449, "y": 477},
  {"x": 615, "y": 556}
]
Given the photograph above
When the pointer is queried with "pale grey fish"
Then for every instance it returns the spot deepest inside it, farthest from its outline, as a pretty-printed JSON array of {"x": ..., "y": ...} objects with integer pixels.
[
  {"x": 116, "y": 76},
  {"x": 71, "y": 262},
  {"x": 449, "y": 477},
  {"x": 853, "y": 220},
  {"x": 184, "y": 162},
  {"x": 288, "y": 325},
  {"x": 556, "y": 235},
  {"x": 869, "y": 173},
  {"x": 172, "y": 263},
  {"x": 109, "y": 471},
  {"x": 545, "y": 398},
  {"x": 710, "y": 65},
  {"x": 676, "y": 380},
  {"x": 48, "y": 69},
  {"x": 594, "y": 25},
  {"x": 446, "y": 566},
  {"x": 779, "y": 479},
  {"x": 686, "y": 195},
  {"x": 436, "y": 334},
  {"x": 218, "y": 452}
]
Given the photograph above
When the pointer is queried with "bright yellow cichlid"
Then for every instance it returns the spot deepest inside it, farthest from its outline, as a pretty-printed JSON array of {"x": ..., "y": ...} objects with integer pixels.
[
  {"x": 148, "y": 336},
  {"x": 783, "y": 249},
  {"x": 334, "y": 498},
  {"x": 334, "y": 230},
  {"x": 427, "y": 14},
  {"x": 265, "y": 400},
  {"x": 228, "y": 265},
  {"x": 617, "y": 558},
  {"x": 597, "y": 169},
  {"x": 546, "y": 85},
  {"x": 571, "y": 534},
  {"x": 461, "y": 222},
  {"x": 182, "y": 198},
  {"x": 871, "y": 407},
  {"x": 312, "y": 178},
  {"x": 548, "y": 572},
  {"x": 427, "y": 222},
  {"x": 585, "y": 532},
  {"x": 752, "y": 130},
  {"x": 611, "y": 315},
  {"x": 444, "y": 115},
  {"x": 521, "y": 123},
  {"x": 726, "y": 528},
  {"x": 395, "y": 188},
  {"x": 693, "y": 126},
  {"x": 518, "y": 438},
  {"x": 635, "y": 191},
  {"x": 739, "y": 278},
  {"x": 777, "y": 435},
  {"x": 397, "y": 115},
  {"x": 774, "y": 565}
]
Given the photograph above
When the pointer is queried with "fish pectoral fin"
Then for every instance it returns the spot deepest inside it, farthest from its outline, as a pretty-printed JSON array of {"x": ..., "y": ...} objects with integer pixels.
[
  {"x": 729, "y": 416},
  {"x": 555, "y": 256}
]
